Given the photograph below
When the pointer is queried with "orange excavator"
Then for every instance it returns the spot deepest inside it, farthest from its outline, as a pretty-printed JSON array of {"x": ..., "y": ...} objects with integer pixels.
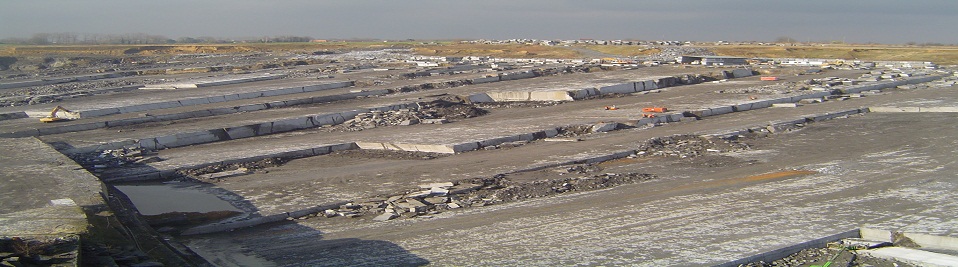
[{"x": 649, "y": 112}]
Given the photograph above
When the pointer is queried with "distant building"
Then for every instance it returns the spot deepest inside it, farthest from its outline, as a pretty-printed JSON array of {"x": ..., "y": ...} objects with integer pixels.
[{"x": 713, "y": 60}]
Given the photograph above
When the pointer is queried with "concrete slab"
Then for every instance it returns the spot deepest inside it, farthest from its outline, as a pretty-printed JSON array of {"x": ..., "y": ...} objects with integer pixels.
[
  {"x": 913, "y": 256},
  {"x": 625, "y": 88},
  {"x": 44, "y": 190},
  {"x": 893, "y": 109}
]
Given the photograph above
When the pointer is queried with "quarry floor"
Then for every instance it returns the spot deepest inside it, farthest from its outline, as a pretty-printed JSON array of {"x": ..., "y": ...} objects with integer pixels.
[
  {"x": 891, "y": 171},
  {"x": 875, "y": 170}
]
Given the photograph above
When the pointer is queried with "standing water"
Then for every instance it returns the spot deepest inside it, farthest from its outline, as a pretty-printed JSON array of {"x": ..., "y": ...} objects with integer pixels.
[{"x": 164, "y": 198}]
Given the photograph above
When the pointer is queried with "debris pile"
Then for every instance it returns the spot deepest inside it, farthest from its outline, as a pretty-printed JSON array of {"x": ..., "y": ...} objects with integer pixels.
[
  {"x": 435, "y": 112},
  {"x": 433, "y": 198},
  {"x": 16, "y": 251},
  {"x": 772, "y": 89},
  {"x": 219, "y": 171},
  {"x": 670, "y": 53},
  {"x": 113, "y": 158},
  {"x": 687, "y": 146}
]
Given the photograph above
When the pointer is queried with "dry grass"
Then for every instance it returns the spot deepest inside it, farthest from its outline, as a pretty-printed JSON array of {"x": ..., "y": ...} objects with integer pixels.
[
  {"x": 174, "y": 49},
  {"x": 624, "y": 50},
  {"x": 496, "y": 50},
  {"x": 945, "y": 55}
]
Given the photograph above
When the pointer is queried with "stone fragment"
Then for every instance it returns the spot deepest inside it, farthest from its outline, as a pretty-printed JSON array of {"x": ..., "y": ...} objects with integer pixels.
[
  {"x": 438, "y": 191},
  {"x": 435, "y": 185},
  {"x": 436, "y": 200},
  {"x": 329, "y": 213},
  {"x": 385, "y": 217}
]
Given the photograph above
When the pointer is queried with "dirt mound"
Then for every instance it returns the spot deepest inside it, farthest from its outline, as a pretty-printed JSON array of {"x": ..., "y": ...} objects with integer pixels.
[
  {"x": 251, "y": 166},
  {"x": 434, "y": 112},
  {"x": 687, "y": 146}
]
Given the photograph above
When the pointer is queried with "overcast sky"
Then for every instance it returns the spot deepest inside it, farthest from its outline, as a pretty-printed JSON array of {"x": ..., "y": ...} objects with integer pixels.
[{"x": 882, "y": 21}]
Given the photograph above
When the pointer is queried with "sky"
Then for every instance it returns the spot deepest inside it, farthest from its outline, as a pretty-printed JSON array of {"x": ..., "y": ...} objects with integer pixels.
[{"x": 853, "y": 21}]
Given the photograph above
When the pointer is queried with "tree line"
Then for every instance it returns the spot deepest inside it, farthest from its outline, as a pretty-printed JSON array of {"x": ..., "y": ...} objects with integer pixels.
[{"x": 142, "y": 38}]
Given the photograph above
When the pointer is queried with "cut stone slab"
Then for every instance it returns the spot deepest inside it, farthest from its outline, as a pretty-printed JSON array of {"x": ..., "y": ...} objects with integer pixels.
[
  {"x": 784, "y": 105},
  {"x": 385, "y": 217},
  {"x": 436, "y": 185},
  {"x": 913, "y": 256},
  {"x": 604, "y": 127}
]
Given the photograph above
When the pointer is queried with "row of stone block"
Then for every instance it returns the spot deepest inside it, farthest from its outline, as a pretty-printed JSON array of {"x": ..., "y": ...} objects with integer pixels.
[
  {"x": 300, "y": 152},
  {"x": 187, "y": 115},
  {"x": 215, "y": 82},
  {"x": 50, "y": 81},
  {"x": 232, "y": 133},
  {"x": 460, "y": 147},
  {"x": 576, "y": 94},
  {"x": 563, "y": 94},
  {"x": 952, "y": 109},
  {"x": 887, "y": 84},
  {"x": 209, "y": 100}
]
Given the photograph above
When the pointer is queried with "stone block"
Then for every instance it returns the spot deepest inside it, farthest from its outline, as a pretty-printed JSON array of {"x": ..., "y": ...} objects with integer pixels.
[
  {"x": 604, "y": 127},
  {"x": 784, "y": 105},
  {"x": 650, "y": 85},
  {"x": 292, "y": 124},
  {"x": 551, "y": 132},
  {"x": 98, "y": 112},
  {"x": 13, "y": 115},
  {"x": 385, "y": 217},
  {"x": 484, "y": 80},
  {"x": 739, "y": 73},
  {"x": 465, "y": 147},
  {"x": 675, "y": 117},
  {"x": 938, "y": 109},
  {"x": 341, "y": 147},
  {"x": 241, "y": 131},
  {"x": 893, "y": 109},
  {"x": 581, "y": 93},
  {"x": 549, "y": 96},
  {"x": 625, "y": 88},
  {"x": 447, "y": 149},
  {"x": 933, "y": 241},
  {"x": 148, "y": 143},
  {"x": 742, "y": 107},
  {"x": 698, "y": 113},
  {"x": 639, "y": 86},
  {"x": 253, "y": 107},
  {"x": 722, "y": 110}
]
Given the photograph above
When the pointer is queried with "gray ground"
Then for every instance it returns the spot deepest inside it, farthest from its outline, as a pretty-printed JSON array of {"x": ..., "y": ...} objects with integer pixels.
[
  {"x": 693, "y": 214},
  {"x": 889, "y": 171}
]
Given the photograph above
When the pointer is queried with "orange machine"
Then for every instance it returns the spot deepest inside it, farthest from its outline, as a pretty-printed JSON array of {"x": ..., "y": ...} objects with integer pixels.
[{"x": 655, "y": 109}]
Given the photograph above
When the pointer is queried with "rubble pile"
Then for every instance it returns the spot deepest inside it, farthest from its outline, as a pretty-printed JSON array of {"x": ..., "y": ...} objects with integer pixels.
[
  {"x": 810, "y": 256},
  {"x": 215, "y": 172},
  {"x": 516, "y": 104},
  {"x": 115, "y": 158},
  {"x": 574, "y": 130},
  {"x": 434, "y": 198},
  {"x": 435, "y": 112},
  {"x": 688, "y": 146},
  {"x": 670, "y": 53},
  {"x": 772, "y": 89},
  {"x": 542, "y": 188},
  {"x": 53, "y": 251}
]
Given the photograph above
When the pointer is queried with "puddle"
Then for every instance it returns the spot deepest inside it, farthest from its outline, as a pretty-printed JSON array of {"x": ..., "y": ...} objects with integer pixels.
[{"x": 157, "y": 199}]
